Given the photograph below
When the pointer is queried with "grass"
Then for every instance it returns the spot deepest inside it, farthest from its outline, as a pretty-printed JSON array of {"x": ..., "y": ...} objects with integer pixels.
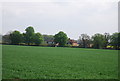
[
  {"x": 32, "y": 62},
  {"x": 0, "y": 62}
]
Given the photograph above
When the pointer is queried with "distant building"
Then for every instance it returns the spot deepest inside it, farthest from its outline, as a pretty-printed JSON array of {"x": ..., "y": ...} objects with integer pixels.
[
  {"x": 49, "y": 39},
  {"x": 72, "y": 42},
  {"x": 75, "y": 44}
]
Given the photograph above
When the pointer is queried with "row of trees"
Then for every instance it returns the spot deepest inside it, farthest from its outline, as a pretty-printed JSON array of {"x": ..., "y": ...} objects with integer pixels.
[
  {"x": 29, "y": 37},
  {"x": 85, "y": 41},
  {"x": 100, "y": 40}
]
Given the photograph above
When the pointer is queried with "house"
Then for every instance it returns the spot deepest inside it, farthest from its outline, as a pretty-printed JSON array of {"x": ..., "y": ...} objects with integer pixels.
[
  {"x": 50, "y": 41},
  {"x": 72, "y": 42},
  {"x": 75, "y": 44}
]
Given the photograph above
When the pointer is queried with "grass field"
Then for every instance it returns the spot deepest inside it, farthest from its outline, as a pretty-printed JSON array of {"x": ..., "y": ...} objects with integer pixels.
[
  {"x": 32, "y": 62},
  {"x": 0, "y": 62}
]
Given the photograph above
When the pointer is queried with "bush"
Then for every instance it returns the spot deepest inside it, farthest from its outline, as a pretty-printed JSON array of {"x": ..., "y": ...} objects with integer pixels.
[{"x": 68, "y": 45}]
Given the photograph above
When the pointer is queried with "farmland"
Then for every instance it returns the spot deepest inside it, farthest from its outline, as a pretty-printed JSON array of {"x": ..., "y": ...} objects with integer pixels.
[{"x": 34, "y": 62}]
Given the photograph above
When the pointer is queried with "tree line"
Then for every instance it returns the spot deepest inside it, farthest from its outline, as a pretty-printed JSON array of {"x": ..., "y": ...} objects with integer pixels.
[
  {"x": 98, "y": 40},
  {"x": 101, "y": 40}
]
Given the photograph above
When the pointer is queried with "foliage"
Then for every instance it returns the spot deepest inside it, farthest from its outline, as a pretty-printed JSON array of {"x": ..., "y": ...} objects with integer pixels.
[
  {"x": 6, "y": 39},
  {"x": 84, "y": 40},
  {"x": 32, "y": 38},
  {"x": 107, "y": 39},
  {"x": 68, "y": 45},
  {"x": 98, "y": 40},
  {"x": 31, "y": 62},
  {"x": 37, "y": 38},
  {"x": 0, "y": 37},
  {"x": 15, "y": 37},
  {"x": 29, "y": 35},
  {"x": 115, "y": 40},
  {"x": 61, "y": 38}
]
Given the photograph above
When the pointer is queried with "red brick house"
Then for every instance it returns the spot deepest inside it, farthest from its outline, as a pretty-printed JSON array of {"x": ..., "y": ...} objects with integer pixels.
[{"x": 72, "y": 42}]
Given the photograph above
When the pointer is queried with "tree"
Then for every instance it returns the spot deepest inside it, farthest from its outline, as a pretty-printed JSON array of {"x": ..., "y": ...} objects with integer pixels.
[
  {"x": 29, "y": 35},
  {"x": 15, "y": 37},
  {"x": 61, "y": 38},
  {"x": 107, "y": 39},
  {"x": 38, "y": 38},
  {"x": 98, "y": 40},
  {"x": 115, "y": 40},
  {"x": 0, "y": 38},
  {"x": 84, "y": 40},
  {"x": 6, "y": 39}
]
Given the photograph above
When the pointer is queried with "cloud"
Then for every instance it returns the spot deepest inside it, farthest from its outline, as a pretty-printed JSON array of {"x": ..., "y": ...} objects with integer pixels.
[
  {"x": 72, "y": 16},
  {"x": 94, "y": 1},
  {"x": 0, "y": 18}
]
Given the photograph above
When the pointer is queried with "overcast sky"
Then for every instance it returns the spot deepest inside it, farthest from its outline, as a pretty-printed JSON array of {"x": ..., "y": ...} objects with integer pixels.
[{"x": 74, "y": 17}]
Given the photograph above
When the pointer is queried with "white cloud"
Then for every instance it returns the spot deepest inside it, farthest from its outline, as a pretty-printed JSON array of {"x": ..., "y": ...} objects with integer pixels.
[{"x": 73, "y": 17}]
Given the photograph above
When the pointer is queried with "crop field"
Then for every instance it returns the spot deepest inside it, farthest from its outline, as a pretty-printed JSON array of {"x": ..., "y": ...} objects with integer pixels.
[{"x": 34, "y": 62}]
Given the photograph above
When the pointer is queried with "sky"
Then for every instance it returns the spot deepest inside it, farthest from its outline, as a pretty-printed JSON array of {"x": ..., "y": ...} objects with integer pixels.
[{"x": 74, "y": 17}]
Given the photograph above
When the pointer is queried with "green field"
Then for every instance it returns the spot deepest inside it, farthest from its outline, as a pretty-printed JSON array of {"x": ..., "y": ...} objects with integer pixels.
[{"x": 34, "y": 62}]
